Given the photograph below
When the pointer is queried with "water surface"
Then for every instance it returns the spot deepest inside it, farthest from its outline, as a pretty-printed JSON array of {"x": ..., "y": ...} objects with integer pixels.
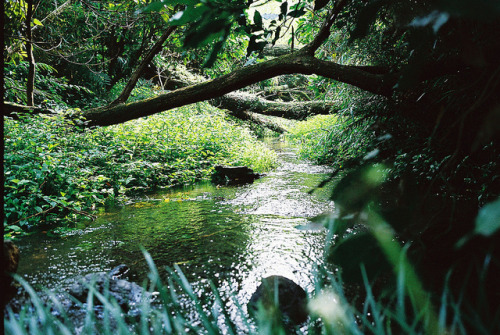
[{"x": 232, "y": 235}]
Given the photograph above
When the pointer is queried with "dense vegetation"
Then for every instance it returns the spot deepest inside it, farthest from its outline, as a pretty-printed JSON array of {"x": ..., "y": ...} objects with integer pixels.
[
  {"x": 414, "y": 139},
  {"x": 61, "y": 172}
]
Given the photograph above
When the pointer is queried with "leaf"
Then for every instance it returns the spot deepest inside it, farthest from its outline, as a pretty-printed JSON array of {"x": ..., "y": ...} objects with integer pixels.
[
  {"x": 205, "y": 34},
  {"x": 318, "y": 4},
  {"x": 13, "y": 228},
  {"x": 276, "y": 35},
  {"x": 254, "y": 45},
  {"x": 191, "y": 14},
  {"x": 361, "y": 248},
  {"x": 153, "y": 7},
  {"x": 284, "y": 8},
  {"x": 297, "y": 12},
  {"x": 488, "y": 219},
  {"x": 157, "y": 6},
  {"x": 210, "y": 59},
  {"x": 37, "y": 22},
  {"x": 257, "y": 19}
]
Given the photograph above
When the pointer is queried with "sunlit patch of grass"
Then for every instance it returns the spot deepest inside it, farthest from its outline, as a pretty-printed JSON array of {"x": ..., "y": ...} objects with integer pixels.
[{"x": 313, "y": 136}]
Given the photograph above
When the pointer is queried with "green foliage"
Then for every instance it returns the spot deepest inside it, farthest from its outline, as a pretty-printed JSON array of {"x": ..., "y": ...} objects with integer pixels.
[
  {"x": 14, "y": 20},
  {"x": 312, "y": 136},
  {"x": 144, "y": 89},
  {"x": 51, "y": 91},
  {"x": 370, "y": 249},
  {"x": 332, "y": 139},
  {"x": 60, "y": 171}
]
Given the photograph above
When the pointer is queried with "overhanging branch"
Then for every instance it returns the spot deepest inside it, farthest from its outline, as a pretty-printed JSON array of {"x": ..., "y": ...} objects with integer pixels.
[{"x": 298, "y": 62}]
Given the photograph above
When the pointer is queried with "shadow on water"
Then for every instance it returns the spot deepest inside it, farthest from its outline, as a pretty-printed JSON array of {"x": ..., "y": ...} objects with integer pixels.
[{"x": 232, "y": 235}]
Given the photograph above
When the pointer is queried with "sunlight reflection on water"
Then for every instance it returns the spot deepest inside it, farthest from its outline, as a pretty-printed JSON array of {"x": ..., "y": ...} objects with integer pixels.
[{"x": 232, "y": 235}]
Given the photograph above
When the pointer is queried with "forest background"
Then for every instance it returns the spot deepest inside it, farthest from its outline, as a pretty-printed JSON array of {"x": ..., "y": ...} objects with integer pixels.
[{"x": 407, "y": 92}]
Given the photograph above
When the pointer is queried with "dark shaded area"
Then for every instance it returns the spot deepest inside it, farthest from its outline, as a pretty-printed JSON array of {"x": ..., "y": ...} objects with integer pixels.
[
  {"x": 292, "y": 299},
  {"x": 8, "y": 266},
  {"x": 234, "y": 175}
]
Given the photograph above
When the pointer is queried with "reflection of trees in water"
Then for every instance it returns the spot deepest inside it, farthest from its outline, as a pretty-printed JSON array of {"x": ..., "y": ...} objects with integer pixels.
[{"x": 181, "y": 232}]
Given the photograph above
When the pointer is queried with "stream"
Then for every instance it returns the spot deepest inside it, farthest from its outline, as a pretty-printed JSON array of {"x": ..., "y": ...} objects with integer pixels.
[{"x": 234, "y": 235}]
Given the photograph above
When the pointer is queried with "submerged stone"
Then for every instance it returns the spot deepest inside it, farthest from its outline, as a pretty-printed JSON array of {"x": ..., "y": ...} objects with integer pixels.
[
  {"x": 234, "y": 175},
  {"x": 292, "y": 299},
  {"x": 127, "y": 294}
]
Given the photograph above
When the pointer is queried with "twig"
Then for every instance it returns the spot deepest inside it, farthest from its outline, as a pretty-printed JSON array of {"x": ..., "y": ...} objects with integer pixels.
[
  {"x": 34, "y": 215},
  {"x": 91, "y": 216}
]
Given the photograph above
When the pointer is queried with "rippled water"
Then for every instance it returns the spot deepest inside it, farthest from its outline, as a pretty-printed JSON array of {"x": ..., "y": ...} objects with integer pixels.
[{"x": 233, "y": 235}]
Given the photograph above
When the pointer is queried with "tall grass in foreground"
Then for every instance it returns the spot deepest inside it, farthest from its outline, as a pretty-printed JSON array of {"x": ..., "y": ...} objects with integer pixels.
[{"x": 169, "y": 314}]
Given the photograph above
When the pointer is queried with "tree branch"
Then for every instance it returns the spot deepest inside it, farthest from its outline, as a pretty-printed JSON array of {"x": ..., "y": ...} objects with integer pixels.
[
  {"x": 324, "y": 31},
  {"x": 30, "y": 87},
  {"x": 297, "y": 62},
  {"x": 238, "y": 102},
  {"x": 157, "y": 47}
]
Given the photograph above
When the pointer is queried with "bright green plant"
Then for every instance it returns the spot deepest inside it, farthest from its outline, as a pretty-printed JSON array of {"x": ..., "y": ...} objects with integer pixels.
[
  {"x": 329, "y": 139},
  {"x": 60, "y": 171}
]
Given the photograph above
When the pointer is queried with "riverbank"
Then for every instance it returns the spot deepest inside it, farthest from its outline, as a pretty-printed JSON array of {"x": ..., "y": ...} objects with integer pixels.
[
  {"x": 57, "y": 172},
  {"x": 233, "y": 236}
]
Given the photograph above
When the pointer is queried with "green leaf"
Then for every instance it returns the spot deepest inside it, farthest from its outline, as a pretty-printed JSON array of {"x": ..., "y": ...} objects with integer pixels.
[
  {"x": 297, "y": 13},
  {"x": 488, "y": 219},
  {"x": 153, "y": 7},
  {"x": 284, "y": 8},
  {"x": 37, "y": 22},
  {"x": 210, "y": 59},
  {"x": 361, "y": 248},
  {"x": 205, "y": 34},
  {"x": 191, "y": 14},
  {"x": 13, "y": 228},
  {"x": 257, "y": 19}
]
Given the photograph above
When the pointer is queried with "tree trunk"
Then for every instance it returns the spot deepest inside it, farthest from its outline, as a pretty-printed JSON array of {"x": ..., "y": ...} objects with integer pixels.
[
  {"x": 30, "y": 86},
  {"x": 298, "y": 62},
  {"x": 12, "y": 109},
  {"x": 257, "y": 119},
  {"x": 157, "y": 47},
  {"x": 238, "y": 102}
]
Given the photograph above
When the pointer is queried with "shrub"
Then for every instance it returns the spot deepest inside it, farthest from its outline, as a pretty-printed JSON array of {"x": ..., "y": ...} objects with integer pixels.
[{"x": 56, "y": 171}]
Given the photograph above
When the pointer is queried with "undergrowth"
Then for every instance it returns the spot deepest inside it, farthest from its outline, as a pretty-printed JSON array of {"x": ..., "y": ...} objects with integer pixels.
[
  {"x": 57, "y": 172},
  {"x": 328, "y": 139}
]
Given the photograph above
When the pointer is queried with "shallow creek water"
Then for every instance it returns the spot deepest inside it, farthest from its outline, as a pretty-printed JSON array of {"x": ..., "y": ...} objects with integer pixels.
[{"x": 233, "y": 235}]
